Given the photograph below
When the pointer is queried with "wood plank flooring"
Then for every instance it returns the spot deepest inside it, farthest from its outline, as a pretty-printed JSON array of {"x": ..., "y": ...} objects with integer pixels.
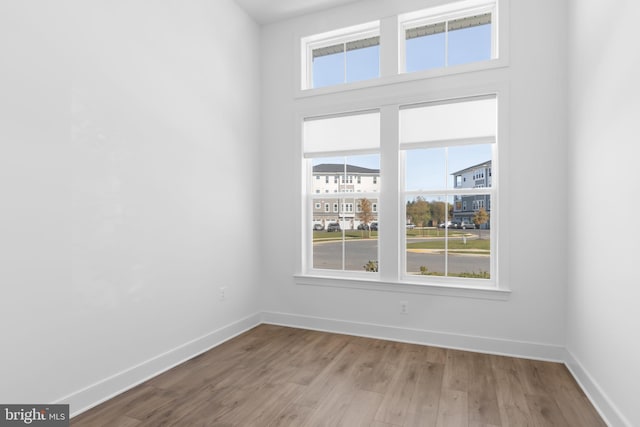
[{"x": 278, "y": 376}]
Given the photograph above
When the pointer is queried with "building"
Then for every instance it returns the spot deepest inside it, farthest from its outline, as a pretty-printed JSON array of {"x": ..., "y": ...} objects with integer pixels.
[
  {"x": 465, "y": 207},
  {"x": 331, "y": 178}
]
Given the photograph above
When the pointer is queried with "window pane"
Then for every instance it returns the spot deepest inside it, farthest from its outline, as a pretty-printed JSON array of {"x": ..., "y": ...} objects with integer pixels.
[
  {"x": 469, "y": 44},
  {"x": 328, "y": 69},
  {"x": 470, "y": 166},
  {"x": 327, "y": 235},
  {"x": 449, "y": 240},
  {"x": 363, "y": 63},
  {"x": 426, "y": 243},
  {"x": 469, "y": 242},
  {"x": 425, "y": 169},
  {"x": 344, "y": 219},
  {"x": 425, "y": 52}
]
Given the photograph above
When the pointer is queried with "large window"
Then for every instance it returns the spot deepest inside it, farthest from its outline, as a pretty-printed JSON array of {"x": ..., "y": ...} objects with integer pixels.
[
  {"x": 410, "y": 192},
  {"x": 444, "y": 150},
  {"x": 442, "y": 144},
  {"x": 342, "y": 146}
]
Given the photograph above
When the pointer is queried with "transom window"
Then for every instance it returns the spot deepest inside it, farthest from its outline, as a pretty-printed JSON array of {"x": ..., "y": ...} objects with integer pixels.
[
  {"x": 344, "y": 56},
  {"x": 440, "y": 37},
  {"x": 455, "y": 34}
]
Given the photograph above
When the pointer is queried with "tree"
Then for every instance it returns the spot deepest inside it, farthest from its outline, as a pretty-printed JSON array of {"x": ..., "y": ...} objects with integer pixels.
[
  {"x": 418, "y": 211},
  {"x": 366, "y": 213},
  {"x": 480, "y": 217}
]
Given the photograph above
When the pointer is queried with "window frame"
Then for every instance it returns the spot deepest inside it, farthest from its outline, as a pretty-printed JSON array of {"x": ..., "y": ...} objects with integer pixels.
[
  {"x": 391, "y": 211},
  {"x": 391, "y": 40},
  {"x": 444, "y": 14},
  {"x": 330, "y": 38}
]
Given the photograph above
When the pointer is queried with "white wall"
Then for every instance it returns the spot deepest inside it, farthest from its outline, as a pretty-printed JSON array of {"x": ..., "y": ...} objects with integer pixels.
[
  {"x": 129, "y": 139},
  {"x": 604, "y": 108},
  {"x": 536, "y": 192}
]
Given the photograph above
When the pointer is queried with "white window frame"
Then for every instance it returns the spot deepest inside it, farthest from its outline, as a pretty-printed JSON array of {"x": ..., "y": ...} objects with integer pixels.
[
  {"x": 330, "y": 38},
  {"x": 391, "y": 237},
  {"x": 444, "y": 14},
  {"x": 392, "y": 53}
]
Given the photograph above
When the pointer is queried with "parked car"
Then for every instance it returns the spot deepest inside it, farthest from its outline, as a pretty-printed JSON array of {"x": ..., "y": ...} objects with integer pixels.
[
  {"x": 364, "y": 226},
  {"x": 467, "y": 225},
  {"x": 374, "y": 226},
  {"x": 318, "y": 227},
  {"x": 333, "y": 226},
  {"x": 448, "y": 224},
  {"x": 411, "y": 226}
]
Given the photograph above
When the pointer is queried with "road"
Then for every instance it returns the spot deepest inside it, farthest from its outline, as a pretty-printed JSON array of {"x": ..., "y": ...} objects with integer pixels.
[{"x": 328, "y": 255}]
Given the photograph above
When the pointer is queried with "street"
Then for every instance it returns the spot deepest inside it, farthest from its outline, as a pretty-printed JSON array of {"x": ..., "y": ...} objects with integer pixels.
[{"x": 328, "y": 255}]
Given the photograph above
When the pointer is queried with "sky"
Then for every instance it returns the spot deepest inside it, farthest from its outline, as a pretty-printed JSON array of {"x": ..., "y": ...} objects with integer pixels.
[{"x": 426, "y": 169}]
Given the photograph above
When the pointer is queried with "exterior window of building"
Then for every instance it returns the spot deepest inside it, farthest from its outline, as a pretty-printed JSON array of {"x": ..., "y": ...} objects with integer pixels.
[
  {"x": 317, "y": 206},
  {"x": 374, "y": 207},
  {"x": 326, "y": 207},
  {"x": 343, "y": 56},
  {"x": 449, "y": 35}
]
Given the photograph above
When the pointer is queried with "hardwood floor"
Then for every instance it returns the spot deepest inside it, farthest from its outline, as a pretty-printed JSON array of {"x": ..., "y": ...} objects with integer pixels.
[{"x": 277, "y": 376}]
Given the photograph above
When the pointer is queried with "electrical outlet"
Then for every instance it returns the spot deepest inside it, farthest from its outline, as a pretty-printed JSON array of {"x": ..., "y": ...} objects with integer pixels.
[
  {"x": 223, "y": 293},
  {"x": 404, "y": 307}
]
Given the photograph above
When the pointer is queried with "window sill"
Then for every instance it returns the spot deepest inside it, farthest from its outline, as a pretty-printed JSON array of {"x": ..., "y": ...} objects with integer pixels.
[
  {"x": 476, "y": 292},
  {"x": 404, "y": 77}
]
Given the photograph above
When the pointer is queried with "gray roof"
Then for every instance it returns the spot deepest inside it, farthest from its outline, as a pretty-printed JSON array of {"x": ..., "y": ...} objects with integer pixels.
[
  {"x": 486, "y": 164},
  {"x": 339, "y": 168}
]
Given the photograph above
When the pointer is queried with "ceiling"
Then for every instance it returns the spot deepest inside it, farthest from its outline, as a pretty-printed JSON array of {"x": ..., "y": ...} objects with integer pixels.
[{"x": 267, "y": 11}]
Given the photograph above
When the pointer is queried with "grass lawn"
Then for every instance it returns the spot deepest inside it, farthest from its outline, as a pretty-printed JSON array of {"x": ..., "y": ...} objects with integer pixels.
[
  {"x": 349, "y": 234},
  {"x": 477, "y": 244}
]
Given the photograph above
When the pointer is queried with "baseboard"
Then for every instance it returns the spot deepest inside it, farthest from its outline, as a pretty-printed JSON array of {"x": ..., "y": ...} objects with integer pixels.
[
  {"x": 114, "y": 385},
  {"x": 514, "y": 348},
  {"x": 607, "y": 409}
]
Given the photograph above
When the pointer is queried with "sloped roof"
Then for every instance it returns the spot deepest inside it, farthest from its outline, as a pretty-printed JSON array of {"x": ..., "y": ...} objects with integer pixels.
[{"x": 486, "y": 164}]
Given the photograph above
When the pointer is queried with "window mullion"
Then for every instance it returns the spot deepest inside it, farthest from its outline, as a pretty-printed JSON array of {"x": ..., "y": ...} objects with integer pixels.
[{"x": 389, "y": 207}]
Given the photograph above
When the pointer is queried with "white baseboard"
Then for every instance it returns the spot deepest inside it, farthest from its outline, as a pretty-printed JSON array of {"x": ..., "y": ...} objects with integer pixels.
[
  {"x": 114, "y": 385},
  {"x": 514, "y": 348},
  {"x": 605, "y": 407}
]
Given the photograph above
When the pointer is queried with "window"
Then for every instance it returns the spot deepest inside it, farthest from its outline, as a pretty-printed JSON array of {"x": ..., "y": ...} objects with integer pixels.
[
  {"x": 449, "y": 37},
  {"x": 342, "y": 144},
  {"x": 437, "y": 151},
  {"x": 436, "y": 147},
  {"x": 317, "y": 207},
  {"x": 347, "y": 55},
  {"x": 446, "y": 36}
]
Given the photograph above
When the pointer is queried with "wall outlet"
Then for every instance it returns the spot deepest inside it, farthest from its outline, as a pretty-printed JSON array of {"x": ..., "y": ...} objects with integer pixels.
[
  {"x": 404, "y": 307},
  {"x": 223, "y": 293}
]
